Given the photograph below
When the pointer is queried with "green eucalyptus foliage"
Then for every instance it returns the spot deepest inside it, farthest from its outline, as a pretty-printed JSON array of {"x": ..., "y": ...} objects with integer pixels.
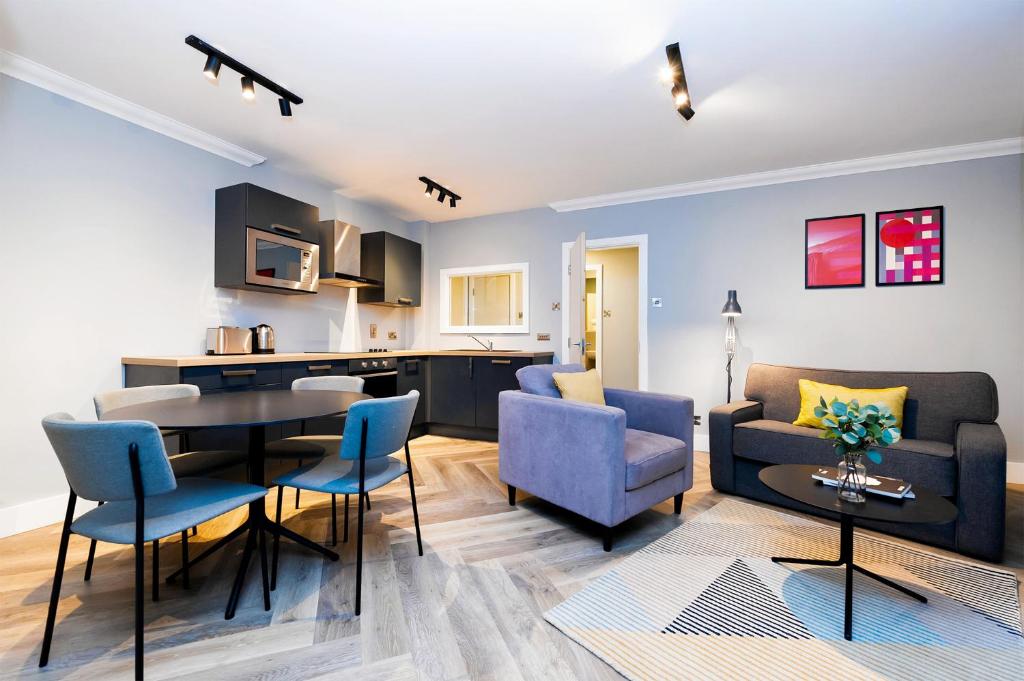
[{"x": 854, "y": 428}]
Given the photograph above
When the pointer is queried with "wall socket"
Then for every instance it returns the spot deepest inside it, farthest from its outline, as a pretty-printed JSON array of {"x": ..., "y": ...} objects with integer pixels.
[
  {"x": 655, "y": 302},
  {"x": 373, "y": 330},
  {"x": 696, "y": 420},
  {"x": 392, "y": 335},
  {"x": 544, "y": 336}
]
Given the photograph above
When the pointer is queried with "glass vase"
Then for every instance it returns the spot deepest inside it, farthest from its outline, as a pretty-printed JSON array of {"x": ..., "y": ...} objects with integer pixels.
[{"x": 852, "y": 475}]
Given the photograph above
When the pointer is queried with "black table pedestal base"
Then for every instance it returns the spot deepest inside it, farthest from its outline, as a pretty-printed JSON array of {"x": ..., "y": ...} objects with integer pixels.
[
  {"x": 846, "y": 560},
  {"x": 254, "y": 525}
]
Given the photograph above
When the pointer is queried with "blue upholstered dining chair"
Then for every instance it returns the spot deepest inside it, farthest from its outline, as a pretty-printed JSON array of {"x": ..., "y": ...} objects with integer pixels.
[
  {"x": 374, "y": 430},
  {"x": 305, "y": 448},
  {"x": 186, "y": 463},
  {"x": 125, "y": 465}
]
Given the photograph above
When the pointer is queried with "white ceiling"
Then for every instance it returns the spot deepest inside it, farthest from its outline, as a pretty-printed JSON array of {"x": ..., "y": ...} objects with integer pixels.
[{"x": 519, "y": 104}]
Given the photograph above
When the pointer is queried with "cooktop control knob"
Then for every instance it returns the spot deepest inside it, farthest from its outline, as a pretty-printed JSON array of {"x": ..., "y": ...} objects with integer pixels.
[{"x": 365, "y": 365}]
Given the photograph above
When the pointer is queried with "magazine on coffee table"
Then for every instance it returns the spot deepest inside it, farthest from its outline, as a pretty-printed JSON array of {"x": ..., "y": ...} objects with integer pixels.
[{"x": 877, "y": 484}]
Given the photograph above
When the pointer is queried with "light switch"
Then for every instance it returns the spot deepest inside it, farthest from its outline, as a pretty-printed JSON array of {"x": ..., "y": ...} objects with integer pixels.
[{"x": 655, "y": 302}]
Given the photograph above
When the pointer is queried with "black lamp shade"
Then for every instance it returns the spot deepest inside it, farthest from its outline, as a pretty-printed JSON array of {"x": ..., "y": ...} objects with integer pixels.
[
  {"x": 212, "y": 68},
  {"x": 285, "y": 105},
  {"x": 732, "y": 306}
]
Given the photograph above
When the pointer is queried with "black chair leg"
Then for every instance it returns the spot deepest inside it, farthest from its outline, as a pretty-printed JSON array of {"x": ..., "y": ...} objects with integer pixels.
[
  {"x": 359, "y": 557},
  {"x": 264, "y": 571},
  {"x": 366, "y": 495},
  {"x": 678, "y": 503},
  {"x": 195, "y": 530},
  {"x": 92, "y": 555},
  {"x": 140, "y": 590},
  {"x": 156, "y": 570},
  {"x": 297, "y": 490},
  {"x": 412, "y": 495},
  {"x": 58, "y": 576},
  {"x": 511, "y": 495},
  {"x": 345, "y": 535},
  {"x": 334, "y": 521},
  {"x": 277, "y": 541},
  {"x": 184, "y": 558},
  {"x": 609, "y": 534}
]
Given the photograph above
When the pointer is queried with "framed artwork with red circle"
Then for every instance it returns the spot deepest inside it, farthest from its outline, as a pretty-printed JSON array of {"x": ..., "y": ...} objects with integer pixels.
[{"x": 909, "y": 247}]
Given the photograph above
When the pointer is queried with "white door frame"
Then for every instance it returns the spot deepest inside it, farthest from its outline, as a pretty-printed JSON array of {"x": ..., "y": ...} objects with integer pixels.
[{"x": 640, "y": 242}]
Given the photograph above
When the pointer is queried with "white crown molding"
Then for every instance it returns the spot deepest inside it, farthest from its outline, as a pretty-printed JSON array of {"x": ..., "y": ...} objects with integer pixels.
[
  {"x": 44, "y": 77},
  {"x": 960, "y": 152}
]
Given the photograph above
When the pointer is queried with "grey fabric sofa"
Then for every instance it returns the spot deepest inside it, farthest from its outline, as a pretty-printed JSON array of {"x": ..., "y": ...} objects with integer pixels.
[
  {"x": 951, "y": 445},
  {"x": 607, "y": 463}
]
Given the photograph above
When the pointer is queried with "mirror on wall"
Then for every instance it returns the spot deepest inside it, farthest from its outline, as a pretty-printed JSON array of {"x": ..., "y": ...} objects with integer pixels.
[{"x": 487, "y": 299}]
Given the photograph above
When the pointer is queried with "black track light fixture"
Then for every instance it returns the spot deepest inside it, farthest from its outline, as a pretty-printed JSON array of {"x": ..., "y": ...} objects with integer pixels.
[
  {"x": 675, "y": 75},
  {"x": 248, "y": 90},
  {"x": 215, "y": 59},
  {"x": 442, "y": 192},
  {"x": 212, "y": 68}
]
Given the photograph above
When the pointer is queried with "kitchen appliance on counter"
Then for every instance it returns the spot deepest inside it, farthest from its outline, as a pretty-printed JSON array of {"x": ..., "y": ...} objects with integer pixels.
[
  {"x": 340, "y": 256},
  {"x": 228, "y": 340},
  {"x": 380, "y": 376},
  {"x": 262, "y": 339}
]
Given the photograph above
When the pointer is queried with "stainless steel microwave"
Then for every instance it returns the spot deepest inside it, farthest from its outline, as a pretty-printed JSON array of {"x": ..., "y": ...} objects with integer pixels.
[{"x": 281, "y": 262}]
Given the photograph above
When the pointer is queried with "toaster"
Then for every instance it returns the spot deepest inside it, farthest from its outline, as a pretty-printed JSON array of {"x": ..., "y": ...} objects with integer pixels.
[{"x": 228, "y": 340}]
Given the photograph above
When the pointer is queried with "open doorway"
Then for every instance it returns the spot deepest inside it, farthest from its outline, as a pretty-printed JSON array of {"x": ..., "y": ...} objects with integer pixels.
[{"x": 615, "y": 315}]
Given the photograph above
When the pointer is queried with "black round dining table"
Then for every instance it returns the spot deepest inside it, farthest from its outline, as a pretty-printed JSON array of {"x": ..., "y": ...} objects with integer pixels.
[{"x": 254, "y": 410}]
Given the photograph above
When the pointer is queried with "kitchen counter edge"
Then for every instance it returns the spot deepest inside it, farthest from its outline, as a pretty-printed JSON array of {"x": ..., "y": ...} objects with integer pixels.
[{"x": 227, "y": 360}]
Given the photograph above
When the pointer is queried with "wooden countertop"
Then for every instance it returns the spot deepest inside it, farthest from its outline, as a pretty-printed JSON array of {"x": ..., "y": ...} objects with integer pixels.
[{"x": 222, "y": 360}]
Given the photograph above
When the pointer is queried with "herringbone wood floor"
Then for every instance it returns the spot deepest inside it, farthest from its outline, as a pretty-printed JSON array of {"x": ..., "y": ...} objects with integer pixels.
[{"x": 470, "y": 608}]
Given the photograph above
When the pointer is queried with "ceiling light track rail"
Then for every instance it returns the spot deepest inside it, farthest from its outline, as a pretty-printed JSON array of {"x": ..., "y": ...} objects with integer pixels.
[
  {"x": 442, "y": 192},
  {"x": 216, "y": 59}
]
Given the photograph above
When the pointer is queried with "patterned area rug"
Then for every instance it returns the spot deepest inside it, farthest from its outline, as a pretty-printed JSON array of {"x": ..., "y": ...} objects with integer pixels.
[{"x": 705, "y": 601}]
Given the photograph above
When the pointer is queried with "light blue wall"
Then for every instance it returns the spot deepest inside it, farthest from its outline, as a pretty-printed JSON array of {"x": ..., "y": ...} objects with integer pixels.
[
  {"x": 753, "y": 240},
  {"x": 106, "y": 236}
]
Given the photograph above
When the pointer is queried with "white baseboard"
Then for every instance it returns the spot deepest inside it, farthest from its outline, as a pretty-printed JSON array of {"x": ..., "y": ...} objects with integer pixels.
[
  {"x": 38, "y": 513},
  {"x": 1015, "y": 472},
  {"x": 701, "y": 443}
]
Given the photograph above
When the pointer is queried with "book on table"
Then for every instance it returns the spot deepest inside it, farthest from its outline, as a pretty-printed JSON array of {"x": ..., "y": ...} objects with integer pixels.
[{"x": 876, "y": 484}]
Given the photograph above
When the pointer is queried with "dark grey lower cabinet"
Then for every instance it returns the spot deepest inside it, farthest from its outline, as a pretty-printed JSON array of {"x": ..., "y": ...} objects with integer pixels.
[
  {"x": 329, "y": 425},
  {"x": 412, "y": 375},
  {"x": 490, "y": 377},
  {"x": 452, "y": 397}
]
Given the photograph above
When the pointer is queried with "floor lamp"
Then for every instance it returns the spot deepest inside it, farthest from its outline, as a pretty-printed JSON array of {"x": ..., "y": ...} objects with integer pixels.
[{"x": 730, "y": 311}]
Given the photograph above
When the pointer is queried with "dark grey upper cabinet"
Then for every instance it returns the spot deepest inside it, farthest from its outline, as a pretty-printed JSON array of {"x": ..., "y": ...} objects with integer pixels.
[
  {"x": 246, "y": 205},
  {"x": 398, "y": 263}
]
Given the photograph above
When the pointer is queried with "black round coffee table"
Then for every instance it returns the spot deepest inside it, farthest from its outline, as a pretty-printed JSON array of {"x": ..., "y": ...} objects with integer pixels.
[
  {"x": 254, "y": 410},
  {"x": 794, "y": 481}
]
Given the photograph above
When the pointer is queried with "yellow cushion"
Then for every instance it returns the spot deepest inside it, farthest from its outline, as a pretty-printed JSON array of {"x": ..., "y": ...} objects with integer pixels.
[
  {"x": 580, "y": 386},
  {"x": 811, "y": 392}
]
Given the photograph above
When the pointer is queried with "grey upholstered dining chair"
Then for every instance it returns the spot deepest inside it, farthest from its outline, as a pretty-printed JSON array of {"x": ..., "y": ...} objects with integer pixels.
[
  {"x": 124, "y": 464},
  {"x": 302, "y": 447},
  {"x": 186, "y": 463},
  {"x": 374, "y": 430}
]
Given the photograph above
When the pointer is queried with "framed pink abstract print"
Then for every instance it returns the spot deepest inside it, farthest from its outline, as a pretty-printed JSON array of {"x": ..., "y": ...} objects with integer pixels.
[
  {"x": 834, "y": 252},
  {"x": 909, "y": 247}
]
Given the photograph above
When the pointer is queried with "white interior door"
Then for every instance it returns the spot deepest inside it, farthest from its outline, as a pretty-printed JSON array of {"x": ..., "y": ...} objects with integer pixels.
[{"x": 577, "y": 273}]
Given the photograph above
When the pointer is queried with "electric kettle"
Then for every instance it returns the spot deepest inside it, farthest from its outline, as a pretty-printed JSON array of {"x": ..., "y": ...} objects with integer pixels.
[{"x": 262, "y": 339}]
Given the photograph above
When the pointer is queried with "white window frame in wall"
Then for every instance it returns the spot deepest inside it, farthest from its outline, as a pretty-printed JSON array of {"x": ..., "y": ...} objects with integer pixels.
[
  {"x": 445, "y": 302},
  {"x": 635, "y": 240}
]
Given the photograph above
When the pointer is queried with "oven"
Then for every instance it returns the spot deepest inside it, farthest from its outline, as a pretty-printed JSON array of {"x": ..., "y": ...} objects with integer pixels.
[
  {"x": 380, "y": 375},
  {"x": 281, "y": 261}
]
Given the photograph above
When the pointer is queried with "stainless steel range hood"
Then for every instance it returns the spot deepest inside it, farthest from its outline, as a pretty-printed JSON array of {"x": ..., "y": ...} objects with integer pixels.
[{"x": 340, "y": 257}]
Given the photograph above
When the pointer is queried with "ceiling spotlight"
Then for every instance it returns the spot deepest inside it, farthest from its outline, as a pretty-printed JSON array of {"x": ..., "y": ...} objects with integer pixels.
[
  {"x": 212, "y": 68},
  {"x": 680, "y": 92},
  {"x": 666, "y": 75},
  {"x": 442, "y": 192},
  {"x": 215, "y": 59},
  {"x": 248, "y": 91}
]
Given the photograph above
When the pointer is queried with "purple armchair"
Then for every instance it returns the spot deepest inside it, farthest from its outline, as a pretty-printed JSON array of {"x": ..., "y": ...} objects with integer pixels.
[{"x": 607, "y": 463}]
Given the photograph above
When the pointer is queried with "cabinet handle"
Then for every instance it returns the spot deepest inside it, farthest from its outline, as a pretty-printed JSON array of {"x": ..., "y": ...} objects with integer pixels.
[
  {"x": 404, "y": 301},
  {"x": 238, "y": 372},
  {"x": 378, "y": 374},
  {"x": 286, "y": 228},
  {"x": 412, "y": 361},
  {"x": 501, "y": 361},
  {"x": 319, "y": 367},
  {"x": 470, "y": 366}
]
